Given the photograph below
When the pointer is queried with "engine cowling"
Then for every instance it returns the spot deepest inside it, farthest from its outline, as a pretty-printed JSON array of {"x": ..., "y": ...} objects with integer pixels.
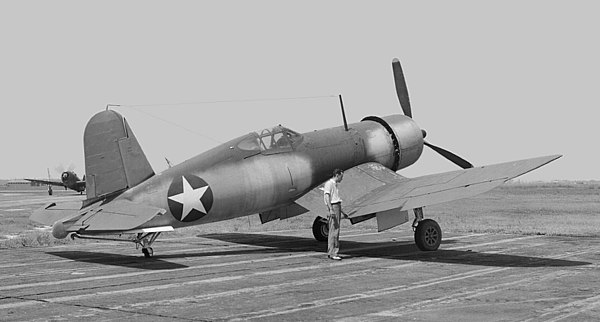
[{"x": 406, "y": 136}]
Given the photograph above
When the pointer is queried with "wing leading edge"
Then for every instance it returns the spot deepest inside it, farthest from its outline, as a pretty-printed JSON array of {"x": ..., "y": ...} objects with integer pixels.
[
  {"x": 400, "y": 193},
  {"x": 54, "y": 183}
]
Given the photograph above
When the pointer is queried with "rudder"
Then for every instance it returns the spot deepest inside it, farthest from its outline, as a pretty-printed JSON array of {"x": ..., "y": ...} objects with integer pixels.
[{"x": 114, "y": 160}]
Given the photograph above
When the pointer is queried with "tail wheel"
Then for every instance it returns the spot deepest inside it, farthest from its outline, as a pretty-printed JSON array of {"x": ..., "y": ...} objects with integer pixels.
[
  {"x": 320, "y": 229},
  {"x": 428, "y": 235},
  {"x": 148, "y": 252}
]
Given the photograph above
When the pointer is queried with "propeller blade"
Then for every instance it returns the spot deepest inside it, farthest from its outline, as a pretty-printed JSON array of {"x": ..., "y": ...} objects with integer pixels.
[
  {"x": 401, "y": 88},
  {"x": 450, "y": 156}
]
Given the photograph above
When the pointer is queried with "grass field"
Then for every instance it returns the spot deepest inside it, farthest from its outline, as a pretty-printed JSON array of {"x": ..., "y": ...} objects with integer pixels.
[{"x": 533, "y": 208}]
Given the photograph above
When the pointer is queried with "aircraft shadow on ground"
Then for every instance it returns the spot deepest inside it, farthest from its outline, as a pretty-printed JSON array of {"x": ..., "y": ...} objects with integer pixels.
[
  {"x": 274, "y": 244},
  {"x": 404, "y": 250},
  {"x": 121, "y": 260},
  {"x": 157, "y": 262}
]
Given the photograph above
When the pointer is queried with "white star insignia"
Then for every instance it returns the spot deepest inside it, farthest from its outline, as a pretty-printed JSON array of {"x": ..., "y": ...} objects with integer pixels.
[{"x": 190, "y": 198}]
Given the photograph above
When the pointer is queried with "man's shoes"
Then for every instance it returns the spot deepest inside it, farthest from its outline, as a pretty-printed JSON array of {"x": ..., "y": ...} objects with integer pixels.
[{"x": 337, "y": 258}]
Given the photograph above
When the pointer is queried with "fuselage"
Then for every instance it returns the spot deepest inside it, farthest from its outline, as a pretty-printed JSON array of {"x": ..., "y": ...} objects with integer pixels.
[{"x": 247, "y": 176}]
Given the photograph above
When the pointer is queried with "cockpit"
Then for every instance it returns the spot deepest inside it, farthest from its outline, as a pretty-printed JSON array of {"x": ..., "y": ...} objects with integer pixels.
[{"x": 269, "y": 141}]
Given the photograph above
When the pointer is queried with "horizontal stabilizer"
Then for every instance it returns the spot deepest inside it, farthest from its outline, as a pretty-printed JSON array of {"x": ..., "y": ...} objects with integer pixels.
[
  {"x": 406, "y": 194},
  {"x": 116, "y": 216},
  {"x": 53, "y": 212}
]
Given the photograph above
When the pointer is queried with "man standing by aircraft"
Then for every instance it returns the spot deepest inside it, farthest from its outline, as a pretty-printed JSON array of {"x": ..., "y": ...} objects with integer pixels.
[{"x": 334, "y": 204}]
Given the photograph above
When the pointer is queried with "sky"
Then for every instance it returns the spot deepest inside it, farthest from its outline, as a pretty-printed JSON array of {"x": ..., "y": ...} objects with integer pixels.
[{"x": 491, "y": 81}]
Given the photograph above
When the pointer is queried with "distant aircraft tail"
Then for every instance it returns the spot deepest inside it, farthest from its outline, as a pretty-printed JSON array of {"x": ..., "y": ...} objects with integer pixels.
[{"x": 114, "y": 160}]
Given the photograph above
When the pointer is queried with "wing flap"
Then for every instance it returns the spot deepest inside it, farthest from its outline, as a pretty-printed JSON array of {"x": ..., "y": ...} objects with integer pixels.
[
  {"x": 391, "y": 218},
  {"x": 281, "y": 213},
  {"x": 428, "y": 190}
]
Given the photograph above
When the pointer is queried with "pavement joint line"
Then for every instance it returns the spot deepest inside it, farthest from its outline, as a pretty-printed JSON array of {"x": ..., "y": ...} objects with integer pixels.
[
  {"x": 84, "y": 279},
  {"x": 501, "y": 241},
  {"x": 204, "y": 281},
  {"x": 93, "y": 278},
  {"x": 583, "y": 305},
  {"x": 358, "y": 296},
  {"x": 179, "y": 251},
  {"x": 262, "y": 288},
  {"x": 174, "y": 251},
  {"x": 291, "y": 270},
  {"x": 195, "y": 267},
  {"x": 468, "y": 294},
  {"x": 273, "y": 286},
  {"x": 91, "y": 257},
  {"x": 122, "y": 275},
  {"x": 282, "y": 271},
  {"x": 382, "y": 292},
  {"x": 465, "y": 306},
  {"x": 119, "y": 310},
  {"x": 131, "y": 274}
]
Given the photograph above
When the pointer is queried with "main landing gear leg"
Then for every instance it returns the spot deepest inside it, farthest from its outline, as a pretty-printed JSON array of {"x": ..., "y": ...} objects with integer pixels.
[
  {"x": 428, "y": 234},
  {"x": 145, "y": 241}
]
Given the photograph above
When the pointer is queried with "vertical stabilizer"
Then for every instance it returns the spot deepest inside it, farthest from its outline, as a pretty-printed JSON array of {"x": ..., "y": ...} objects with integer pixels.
[{"x": 114, "y": 159}]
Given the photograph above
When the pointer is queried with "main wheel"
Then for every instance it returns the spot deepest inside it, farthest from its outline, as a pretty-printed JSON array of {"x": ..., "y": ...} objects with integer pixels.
[
  {"x": 428, "y": 235},
  {"x": 320, "y": 229}
]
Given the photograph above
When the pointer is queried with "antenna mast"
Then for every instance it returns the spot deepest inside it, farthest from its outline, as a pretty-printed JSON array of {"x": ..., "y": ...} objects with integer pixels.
[{"x": 343, "y": 112}]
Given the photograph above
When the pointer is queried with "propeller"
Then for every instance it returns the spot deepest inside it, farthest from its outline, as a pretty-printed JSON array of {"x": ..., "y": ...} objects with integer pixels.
[
  {"x": 450, "y": 156},
  {"x": 401, "y": 88},
  {"x": 402, "y": 92},
  {"x": 61, "y": 168}
]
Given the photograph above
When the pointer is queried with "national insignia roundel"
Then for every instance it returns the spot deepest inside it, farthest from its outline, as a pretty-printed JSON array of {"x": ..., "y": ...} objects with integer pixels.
[{"x": 189, "y": 197}]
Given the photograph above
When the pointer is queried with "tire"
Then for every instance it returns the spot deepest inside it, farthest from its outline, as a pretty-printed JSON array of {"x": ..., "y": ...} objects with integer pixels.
[
  {"x": 428, "y": 235},
  {"x": 148, "y": 252},
  {"x": 320, "y": 229}
]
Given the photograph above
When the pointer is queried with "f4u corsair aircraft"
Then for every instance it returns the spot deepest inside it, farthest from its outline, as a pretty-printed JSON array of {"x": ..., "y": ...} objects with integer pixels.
[{"x": 275, "y": 173}]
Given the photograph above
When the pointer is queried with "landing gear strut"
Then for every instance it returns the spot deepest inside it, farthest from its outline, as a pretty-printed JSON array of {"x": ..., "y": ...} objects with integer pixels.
[
  {"x": 145, "y": 241},
  {"x": 428, "y": 234},
  {"x": 320, "y": 229}
]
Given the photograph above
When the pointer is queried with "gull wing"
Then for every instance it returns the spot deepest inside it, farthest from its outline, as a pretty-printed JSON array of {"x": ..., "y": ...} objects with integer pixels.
[
  {"x": 53, "y": 183},
  {"x": 388, "y": 190}
]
